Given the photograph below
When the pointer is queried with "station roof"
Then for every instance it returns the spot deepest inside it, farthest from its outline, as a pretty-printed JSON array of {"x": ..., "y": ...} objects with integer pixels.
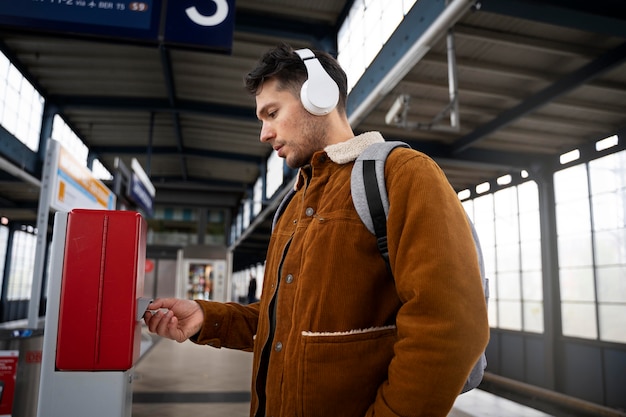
[{"x": 534, "y": 79}]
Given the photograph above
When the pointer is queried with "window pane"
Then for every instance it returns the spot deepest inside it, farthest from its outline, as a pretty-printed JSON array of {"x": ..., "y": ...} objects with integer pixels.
[
  {"x": 483, "y": 209},
  {"x": 609, "y": 211},
  {"x": 4, "y": 240},
  {"x": 611, "y": 247},
  {"x": 613, "y": 322},
  {"x": 509, "y": 286},
  {"x": 506, "y": 202},
  {"x": 579, "y": 320},
  {"x": 532, "y": 286},
  {"x": 468, "y": 205},
  {"x": 391, "y": 18},
  {"x": 533, "y": 316},
  {"x": 528, "y": 197},
  {"x": 14, "y": 78},
  {"x": 510, "y": 316},
  {"x": 529, "y": 226},
  {"x": 531, "y": 256},
  {"x": 498, "y": 221},
  {"x": 507, "y": 230},
  {"x": 607, "y": 173},
  {"x": 508, "y": 257},
  {"x": 612, "y": 285},
  {"x": 21, "y": 106},
  {"x": 571, "y": 184},
  {"x": 575, "y": 251},
  {"x": 577, "y": 284},
  {"x": 486, "y": 232},
  {"x": 22, "y": 264},
  {"x": 608, "y": 184},
  {"x": 366, "y": 28},
  {"x": 274, "y": 176},
  {"x": 573, "y": 217},
  {"x": 70, "y": 141},
  {"x": 492, "y": 310},
  {"x": 9, "y": 119},
  {"x": 4, "y": 66},
  {"x": 505, "y": 206}
]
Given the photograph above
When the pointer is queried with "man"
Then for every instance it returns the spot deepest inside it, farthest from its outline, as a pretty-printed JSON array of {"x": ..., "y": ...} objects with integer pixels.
[{"x": 335, "y": 334}]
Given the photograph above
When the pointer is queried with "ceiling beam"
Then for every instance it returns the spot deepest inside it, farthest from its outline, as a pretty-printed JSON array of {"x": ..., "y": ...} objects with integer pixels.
[
  {"x": 168, "y": 75},
  {"x": 172, "y": 150},
  {"x": 197, "y": 185},
  {"x": 68, "y": 102},
  {"x": 607, "y": 18},
  {"x": 203, "y": 199},
  {"x": 320, "y": 34},
  {"x": 571, "y": 81},
  {"x": 478, "y": 158},
  {"x": 18, "y": 154}
]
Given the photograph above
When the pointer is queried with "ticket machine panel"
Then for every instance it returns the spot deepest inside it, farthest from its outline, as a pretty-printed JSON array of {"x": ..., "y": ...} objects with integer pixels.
[{"x": 102, "y": 279}]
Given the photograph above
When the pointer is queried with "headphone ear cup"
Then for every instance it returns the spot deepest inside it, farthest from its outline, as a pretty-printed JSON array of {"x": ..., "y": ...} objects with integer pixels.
[
  {"x": 319, "y": 109},
  {"x": 320, "y": 93}
]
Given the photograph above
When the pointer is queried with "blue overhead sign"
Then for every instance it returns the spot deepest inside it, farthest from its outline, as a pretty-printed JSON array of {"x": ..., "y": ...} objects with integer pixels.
[
  {"x": 140, "y": 189},
  {"x": 205, "y": 24},
  {"x": 191, "y": 22},
  {"x": 140, "y": 195},
  {"x": 114, "y": 19}
]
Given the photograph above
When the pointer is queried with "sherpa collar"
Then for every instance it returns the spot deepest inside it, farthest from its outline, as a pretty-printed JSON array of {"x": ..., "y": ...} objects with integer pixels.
[
  {"x": 344, "y": 152},
  {"x": 348, "y": 151}
]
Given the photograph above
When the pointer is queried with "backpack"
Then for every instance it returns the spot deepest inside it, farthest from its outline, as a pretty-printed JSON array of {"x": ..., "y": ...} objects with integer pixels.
[{"x": 369, "y": 194}]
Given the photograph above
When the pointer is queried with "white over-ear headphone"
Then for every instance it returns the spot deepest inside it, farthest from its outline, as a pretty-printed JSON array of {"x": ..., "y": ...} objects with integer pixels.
[{"x": 319, "y": 93}]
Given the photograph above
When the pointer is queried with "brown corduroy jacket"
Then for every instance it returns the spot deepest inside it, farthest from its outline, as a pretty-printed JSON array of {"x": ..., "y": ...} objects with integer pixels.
[{"x": 334, "y": 334}]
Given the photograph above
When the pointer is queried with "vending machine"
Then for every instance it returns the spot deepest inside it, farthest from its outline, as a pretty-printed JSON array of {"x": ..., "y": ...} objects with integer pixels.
[
  {"x": 203, "y": 273},
  {"x": 93, "y": 322}
]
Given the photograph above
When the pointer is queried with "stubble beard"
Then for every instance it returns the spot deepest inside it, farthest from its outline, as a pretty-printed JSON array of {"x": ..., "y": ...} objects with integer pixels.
[{"x": 314, "y": 138}]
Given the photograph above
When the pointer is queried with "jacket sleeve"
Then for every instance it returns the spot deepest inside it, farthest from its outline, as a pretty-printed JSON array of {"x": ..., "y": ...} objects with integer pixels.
[
  {"x": 442, "y": 322},
  {"x": 229, "y": 325}
]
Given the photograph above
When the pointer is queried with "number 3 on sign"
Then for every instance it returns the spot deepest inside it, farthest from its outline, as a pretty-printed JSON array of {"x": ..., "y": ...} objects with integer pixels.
[{"x": 218, "y": 17}]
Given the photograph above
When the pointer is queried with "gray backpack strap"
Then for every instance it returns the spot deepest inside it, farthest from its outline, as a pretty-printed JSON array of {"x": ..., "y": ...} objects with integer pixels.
[
  {"x": 377, "y": 153},
  {"x": 481, "y": 262}
]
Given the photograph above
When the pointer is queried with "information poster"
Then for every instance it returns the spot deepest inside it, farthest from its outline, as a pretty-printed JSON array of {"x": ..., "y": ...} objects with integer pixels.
[
  {"x": 8, "y": 372},
  {"x": 76, "y": 187}
]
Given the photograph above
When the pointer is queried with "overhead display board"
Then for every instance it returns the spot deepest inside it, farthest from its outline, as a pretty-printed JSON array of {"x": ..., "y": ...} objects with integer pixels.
[
  {"x": 204, "y": 24},
  {"x": 133, "y": 20}
]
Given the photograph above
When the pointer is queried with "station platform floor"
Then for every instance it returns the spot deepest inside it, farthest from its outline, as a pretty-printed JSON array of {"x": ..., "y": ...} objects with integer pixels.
[{"x": 178, "y": 379}]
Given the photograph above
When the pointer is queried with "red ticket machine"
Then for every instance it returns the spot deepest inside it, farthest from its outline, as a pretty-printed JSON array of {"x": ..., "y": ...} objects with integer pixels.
[{"x": 92, "y": 333}]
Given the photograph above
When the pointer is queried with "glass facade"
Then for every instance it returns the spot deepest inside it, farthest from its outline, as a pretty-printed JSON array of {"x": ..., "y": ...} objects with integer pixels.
[
  {"x": 22, "y": 265},
  {"x": 591, "y": 230},
  {"x": 21, "y": 106},
  {"x": 507, "y": 222},
  {"x": 367, "y": 27}
]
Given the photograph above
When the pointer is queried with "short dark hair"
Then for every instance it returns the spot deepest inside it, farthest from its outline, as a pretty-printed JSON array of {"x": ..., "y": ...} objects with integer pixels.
[{"x": 283, "y": 64}]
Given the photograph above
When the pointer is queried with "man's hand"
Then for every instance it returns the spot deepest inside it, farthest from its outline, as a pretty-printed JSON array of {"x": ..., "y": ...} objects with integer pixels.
[{"x": 174, "y": 318}]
